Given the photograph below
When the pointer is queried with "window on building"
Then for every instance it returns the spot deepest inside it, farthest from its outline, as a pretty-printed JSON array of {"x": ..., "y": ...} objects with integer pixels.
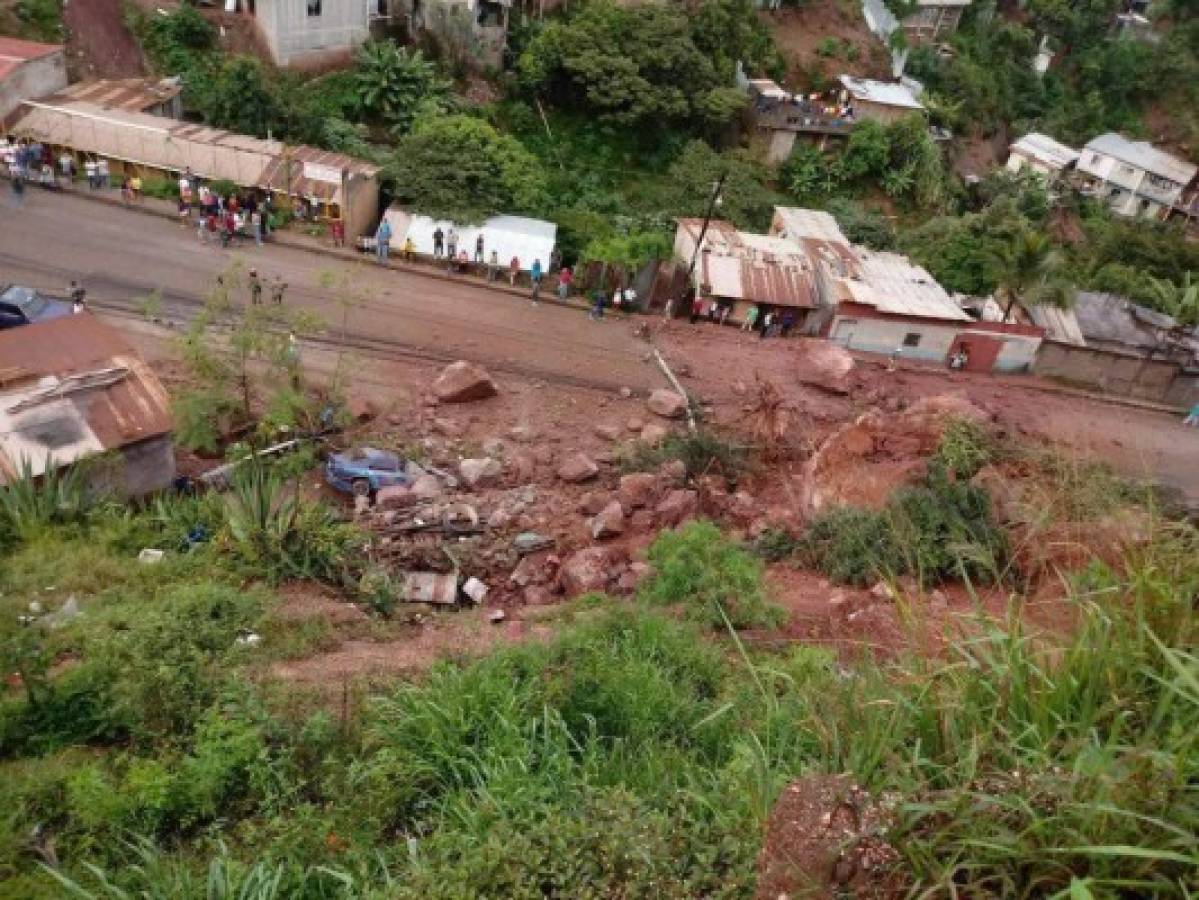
[
  {"x": 911, "y": 339},
  {"x": 314, "y": 7}
]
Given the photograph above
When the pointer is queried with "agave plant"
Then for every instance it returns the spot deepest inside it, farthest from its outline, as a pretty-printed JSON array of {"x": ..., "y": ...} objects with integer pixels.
[
  {"x": 31, "y": 502},
  {"x": 262, "y": 515}
]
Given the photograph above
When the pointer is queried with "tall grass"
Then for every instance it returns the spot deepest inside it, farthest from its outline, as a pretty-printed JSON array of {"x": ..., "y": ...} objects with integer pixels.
[{"x": 1027, "y": 764}]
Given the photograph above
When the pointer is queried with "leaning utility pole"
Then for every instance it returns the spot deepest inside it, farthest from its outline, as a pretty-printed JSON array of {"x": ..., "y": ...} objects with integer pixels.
[{"x": 703, "y": 231}]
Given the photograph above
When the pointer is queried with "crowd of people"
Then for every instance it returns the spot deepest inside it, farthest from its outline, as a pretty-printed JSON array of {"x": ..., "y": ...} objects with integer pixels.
[{"x": 765, "y": 320}]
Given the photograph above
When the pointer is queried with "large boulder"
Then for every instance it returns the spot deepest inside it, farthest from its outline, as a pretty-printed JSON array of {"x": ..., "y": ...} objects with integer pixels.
[
  {"x": 577, "y": 467},
  {"x": 608, "y": 522},
  {"x": 586, "y": 570},
  {"x": 638, "y": 489},
  {"x": 462, "y": 382},
  {"x": 824, "y": 365},
  {"x": 678, "y": 507},
  {"x": 480, "y": 473},
  {"x": 426, "y": 487},
  {"x": 667, "y": 404}
]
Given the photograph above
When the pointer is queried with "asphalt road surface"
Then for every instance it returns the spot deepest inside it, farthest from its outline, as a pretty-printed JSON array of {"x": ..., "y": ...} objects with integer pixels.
[{"x": 122, "y": 256}]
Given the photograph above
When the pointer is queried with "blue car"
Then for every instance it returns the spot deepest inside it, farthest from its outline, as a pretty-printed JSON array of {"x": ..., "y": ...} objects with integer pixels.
[
  {"x": 364, "y": 470},
  {"x": 21, "y": 305}
]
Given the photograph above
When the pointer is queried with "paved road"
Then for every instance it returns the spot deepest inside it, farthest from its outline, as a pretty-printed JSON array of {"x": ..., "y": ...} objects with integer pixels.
[{"x": 121, "y": 256}]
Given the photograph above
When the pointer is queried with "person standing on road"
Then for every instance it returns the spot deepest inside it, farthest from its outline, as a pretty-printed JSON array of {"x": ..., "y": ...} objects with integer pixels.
[
  {"x": 383, "y": 241},
  {"x": 767, "y": 324},
  {"x": 102, "y": 172},
  {"x": 202, "y": 227},
  {"x": 409, "y": 249},
  {"x": 78, "y": 297},
  {"x": 338, "y": 227},
  {"x": 535, "y": 278},
  {"x": 451, "y": 244},
  {"x": 135, "y": 185},
  {"x": 751, "y": 318},
  {"x": 479, "y": 248},
  {"x": 277, "y": 290},
  {"x": 697, "y": 308},
  {"x": 255, "y": 288},
  {"x": 90, "y": 170},
  {"x": 256, "y": 225},
  {"x": 597, "y": 305},
  {"x": 127, "y": 191},
  {"x": 493, "y": 266},
  {"x": 438, "y": 243},
  {"x": 565, "y": 278},
  {"x": 513, "y": 270}
]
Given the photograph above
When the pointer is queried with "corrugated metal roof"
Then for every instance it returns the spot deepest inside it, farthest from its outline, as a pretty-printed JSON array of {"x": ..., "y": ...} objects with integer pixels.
[
  {"x": 174, "y": 145},
  {"x": 526, "y": 239},
  {"x": 818, "y": 233},
  {"x": 1059, "y": 324},
  {"x": 72, "y": 387},
  {"x": 131, "y": 94},
  {"x": 763, "y": 268},
  {"x": 1143, "y": 155},
  {"x": 884, "y": 93},
  {"x": 893, "y": 284},
  {"x": 1043, "y": 148}
]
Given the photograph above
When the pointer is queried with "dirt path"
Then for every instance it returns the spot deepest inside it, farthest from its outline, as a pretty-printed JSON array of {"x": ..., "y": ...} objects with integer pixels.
[{"x": 98, "y": 43}]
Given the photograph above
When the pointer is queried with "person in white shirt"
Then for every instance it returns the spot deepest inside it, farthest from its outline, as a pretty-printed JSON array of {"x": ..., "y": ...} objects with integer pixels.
[
  {"x": 89, "y": 169},
  {"x": 102, "y": 172}
]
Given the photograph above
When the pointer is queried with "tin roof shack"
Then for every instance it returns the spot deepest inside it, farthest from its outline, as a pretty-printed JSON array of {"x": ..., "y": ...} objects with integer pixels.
[
  {"x": 1134, "y": 178},
  {"x": 70, "y": 389},
  {"x": 740, "y": 270},
  {"x": 1040, "y": 153},
  {"x": 895, "y": 305},
  {"x": 882, "y": 101},
  {"x": 336, "y": 184},
  {"x": 526, "y": 239},
  {"x": 153, "y": 96},
  {"x": 29, "y": 70},
  {"x": 316, "y": 33}
]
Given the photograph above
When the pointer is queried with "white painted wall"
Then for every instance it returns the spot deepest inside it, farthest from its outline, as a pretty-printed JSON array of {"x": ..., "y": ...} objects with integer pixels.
[{"x": 884, "y": 336}]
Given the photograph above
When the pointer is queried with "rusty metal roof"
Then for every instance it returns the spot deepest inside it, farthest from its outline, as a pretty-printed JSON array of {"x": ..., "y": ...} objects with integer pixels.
[
  {"x": 133, "y": 94},
  {"x": 756, "y": 267},
  {"x": 72, "y": 387}
]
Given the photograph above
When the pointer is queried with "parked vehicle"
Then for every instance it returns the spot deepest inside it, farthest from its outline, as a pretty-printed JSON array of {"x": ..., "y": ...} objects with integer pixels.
[
  {"x": 364, "y": 470},
  {"x": 20, "y": 305}
]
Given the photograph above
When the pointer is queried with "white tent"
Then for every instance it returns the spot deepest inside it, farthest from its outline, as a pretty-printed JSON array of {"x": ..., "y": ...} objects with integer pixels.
[{"x": 526, "y": 239}]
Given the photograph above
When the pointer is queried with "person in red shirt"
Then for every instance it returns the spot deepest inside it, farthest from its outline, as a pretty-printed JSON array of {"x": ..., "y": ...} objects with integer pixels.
[{"x": 565, "y": 279}]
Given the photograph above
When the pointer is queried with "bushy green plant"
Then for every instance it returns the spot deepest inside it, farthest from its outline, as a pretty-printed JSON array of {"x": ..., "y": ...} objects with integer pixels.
[
  {"x": 965, "y": 447},
  {"x": 713, "y": 578},
  {"x": 851, "y": 546},
  {"x": 30, "y": 503},
  {"x": 702, "y": 452}
]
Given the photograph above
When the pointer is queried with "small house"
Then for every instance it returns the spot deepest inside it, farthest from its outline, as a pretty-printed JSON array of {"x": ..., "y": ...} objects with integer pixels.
[
  {"x": 1134, "y": 178},
  {"x": 72, "y": 389},
  {"x": 739, "y": 270},
  {"x": 1041, "y": 154},
  {"x": 29, "y": 70},
  {"x": 152, "y": 96},
  {"x": 880, "y": 101},
  {"x": 316, "y": 33},
  {"x": 895, "y": 306}
]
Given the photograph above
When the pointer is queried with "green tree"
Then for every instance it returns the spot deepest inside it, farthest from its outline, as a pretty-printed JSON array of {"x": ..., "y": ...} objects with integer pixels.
[
  {"x": 393, "y": 84},
  {"x": 647, "y": 65},
  {"x": 745, "y": 199},
  {"x": 1029, "y": 271},
  {"x": 1180, "y": 302},
  {"x": 237, "y": 96},
  {"x": 460, "y": 167}
]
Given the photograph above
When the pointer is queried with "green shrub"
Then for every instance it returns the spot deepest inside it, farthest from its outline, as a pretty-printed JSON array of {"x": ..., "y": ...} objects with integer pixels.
[
  {"x": 965, "y": 447},
  {"x": 713, "y": 578},
  {"x": 703, "y": 453},
  {"x": 935, "y": 531}
]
